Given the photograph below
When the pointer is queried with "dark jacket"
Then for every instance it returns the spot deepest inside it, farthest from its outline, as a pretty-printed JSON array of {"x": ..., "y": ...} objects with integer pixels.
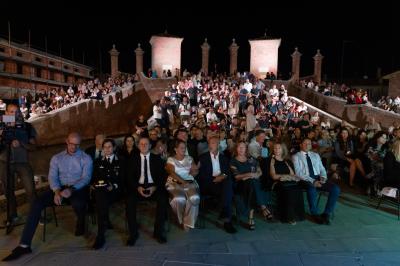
[
  {"x": 157, "y": 171},
  {"x": 111, "y": 173},
  {"x": 206, "y": 171}
]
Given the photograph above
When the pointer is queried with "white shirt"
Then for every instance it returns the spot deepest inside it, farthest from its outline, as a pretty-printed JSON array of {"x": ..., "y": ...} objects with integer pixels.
[
  {"x": 211, "y": 117},
  {"x": 96, "y": 153},
  {"x": 157, "y": 112},
  {"x": 184, "y": 109},
  {"x": 215, "y": 164},
  {"x": 248, "y": 86},
  {"x": 111, "y": 157},
  {"x": 141, "y": 179}
]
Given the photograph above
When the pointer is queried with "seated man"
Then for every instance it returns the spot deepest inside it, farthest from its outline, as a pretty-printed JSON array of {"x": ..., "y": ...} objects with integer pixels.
[
  {"x": 214, "y": 179},
  {"x": 145, "y": 179},
  {"x": 308, "y": 167},
  {"x": 69, "y": 174},
  {"x": 108, "y": 170}
]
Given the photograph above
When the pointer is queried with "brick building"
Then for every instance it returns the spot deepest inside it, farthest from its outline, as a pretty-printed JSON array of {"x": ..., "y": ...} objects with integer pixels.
[{"x": 23, "y": 68}]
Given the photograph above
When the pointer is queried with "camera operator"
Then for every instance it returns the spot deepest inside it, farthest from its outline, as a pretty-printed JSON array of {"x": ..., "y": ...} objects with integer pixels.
[{"x": 17, "y": 138}]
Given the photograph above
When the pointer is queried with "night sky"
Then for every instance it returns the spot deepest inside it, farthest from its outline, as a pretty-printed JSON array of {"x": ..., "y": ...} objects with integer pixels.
[{"x": 366, "y": 33}]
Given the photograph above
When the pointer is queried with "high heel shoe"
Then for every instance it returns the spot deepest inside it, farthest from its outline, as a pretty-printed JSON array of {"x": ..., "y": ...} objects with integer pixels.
[{"x": 266, "y": 213}]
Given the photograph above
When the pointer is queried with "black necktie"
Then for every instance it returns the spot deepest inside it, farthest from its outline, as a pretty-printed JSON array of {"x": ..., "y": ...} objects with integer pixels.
[
  {"x": 109, "y": 160},
  {"x": 99, "y": 154},
  {"x": 310, "y": 167},
  {"x": 146, "y": 176}
]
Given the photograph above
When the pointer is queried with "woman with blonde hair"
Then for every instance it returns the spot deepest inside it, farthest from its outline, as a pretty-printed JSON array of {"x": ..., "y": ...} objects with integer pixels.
[
  {"x": 290, "y": 194},
  {"x": 391, "y": 166}
]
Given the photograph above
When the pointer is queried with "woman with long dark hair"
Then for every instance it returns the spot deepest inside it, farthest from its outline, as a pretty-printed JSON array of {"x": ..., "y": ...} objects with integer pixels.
[{"x": 345, "y": 155}]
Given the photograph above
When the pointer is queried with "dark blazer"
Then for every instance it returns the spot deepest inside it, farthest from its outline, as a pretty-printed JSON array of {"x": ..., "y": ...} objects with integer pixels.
[
  {"x": 91, "y": 152},
  {"x": 157, "y": 171},
  {"x": 206, "y": 171},
  {"x": 112, "y": 173}
]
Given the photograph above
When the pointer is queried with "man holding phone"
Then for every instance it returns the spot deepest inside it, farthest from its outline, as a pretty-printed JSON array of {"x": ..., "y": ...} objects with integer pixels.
[{"x": 145, "y": 180}]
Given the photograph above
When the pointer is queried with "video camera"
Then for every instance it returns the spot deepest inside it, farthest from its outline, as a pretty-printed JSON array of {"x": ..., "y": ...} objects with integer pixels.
[{"x": 8, "y": 125}]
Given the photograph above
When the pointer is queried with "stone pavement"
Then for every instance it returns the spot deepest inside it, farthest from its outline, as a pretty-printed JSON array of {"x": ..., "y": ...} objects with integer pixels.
[{"x": 359, "y": 235}]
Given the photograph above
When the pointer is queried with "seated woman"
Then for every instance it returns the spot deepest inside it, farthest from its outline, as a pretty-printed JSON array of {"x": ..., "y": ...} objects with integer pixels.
[
  {"x": 391, "y": 166},
  {"x": 345, "y": 155},
  {"x": 373, "y": 159},
  {"x": 161, "y": 149},
  {"x": 106, "y": 181},
  {"x": 246, "y": 173},
  {"x": 183, "y": 189},
  {"x": 290, "y": 194},
  {"x": 128, "y": 149}
]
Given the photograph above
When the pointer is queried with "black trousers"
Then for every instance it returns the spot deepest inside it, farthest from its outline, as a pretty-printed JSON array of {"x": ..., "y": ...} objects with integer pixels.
[
  {"x": 224, "y": 190},
  {"x": 161, "y": 198},
  {"x": 78, "y": 200},
  {"x": 103, "y": 200}
]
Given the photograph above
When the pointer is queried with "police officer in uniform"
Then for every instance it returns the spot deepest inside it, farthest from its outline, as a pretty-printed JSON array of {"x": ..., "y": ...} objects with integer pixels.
[{"x": 108, "y": 171}]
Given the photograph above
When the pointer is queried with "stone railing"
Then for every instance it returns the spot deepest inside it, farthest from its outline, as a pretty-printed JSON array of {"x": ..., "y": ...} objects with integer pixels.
[
  {"x": 115, "y": 97},
  {"x": 356, "y": 114},
  {"x": 110, "y": 116}
]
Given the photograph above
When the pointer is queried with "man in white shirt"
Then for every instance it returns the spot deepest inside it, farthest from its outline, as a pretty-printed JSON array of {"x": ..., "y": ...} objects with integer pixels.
[
  {"x": 145, "y": 179},
  {"x": 211, "y": 116},
  {"x": 248, "y": 86},
  {"x": 308, "y": 167}
]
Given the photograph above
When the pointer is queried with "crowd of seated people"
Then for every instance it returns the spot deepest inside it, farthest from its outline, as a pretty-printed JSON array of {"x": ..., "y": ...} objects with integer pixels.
[
  {"x": 353, "y": 96},
  {"x": 45, "y": 102},
  {"x": 234, "y": 139}
]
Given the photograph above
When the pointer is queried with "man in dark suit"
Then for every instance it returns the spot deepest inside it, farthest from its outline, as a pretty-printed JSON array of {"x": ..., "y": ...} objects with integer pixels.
[
  {"x": 214, "y": 179},
  {"x": 145, "y": 179}
]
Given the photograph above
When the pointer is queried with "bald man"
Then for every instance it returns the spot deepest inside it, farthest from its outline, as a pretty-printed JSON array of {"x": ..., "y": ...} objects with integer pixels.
[{"x": 69, "y": 175}]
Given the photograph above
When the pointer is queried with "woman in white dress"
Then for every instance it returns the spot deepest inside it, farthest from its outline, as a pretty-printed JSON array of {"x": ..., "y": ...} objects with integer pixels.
[{"x": 182, "y": 187}]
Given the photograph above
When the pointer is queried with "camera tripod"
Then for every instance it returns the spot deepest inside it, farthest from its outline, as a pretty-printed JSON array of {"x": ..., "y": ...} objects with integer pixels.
[{"x": 9, "y": 223}]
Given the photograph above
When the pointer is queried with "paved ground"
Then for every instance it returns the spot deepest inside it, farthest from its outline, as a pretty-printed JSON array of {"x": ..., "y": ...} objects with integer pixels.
[{"x": 359, "y": 235}]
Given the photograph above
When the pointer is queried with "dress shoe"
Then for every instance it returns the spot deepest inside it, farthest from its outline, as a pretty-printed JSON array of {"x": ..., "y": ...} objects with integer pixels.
[
  {"x": 132, "y": 240},
  {"x": 17, "y": 253},
  {"x": 317, "y": 219},
  {"x": 229, "y": 228},
  {"x": 99, "y": 243},
  {"x": 79, "y": 231},
  {"x": 325, "y": 219},
  {"x": 161, "y": 239}
]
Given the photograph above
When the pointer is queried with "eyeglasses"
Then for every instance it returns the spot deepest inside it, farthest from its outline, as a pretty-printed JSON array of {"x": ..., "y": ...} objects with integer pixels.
[{"x": 74, "y": 144}]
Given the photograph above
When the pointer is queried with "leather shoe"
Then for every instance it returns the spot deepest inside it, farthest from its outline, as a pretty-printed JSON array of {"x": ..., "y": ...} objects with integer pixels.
[
  {"x": 79, "y": 231},
  {"x": 132, "y": 240},
  {"x": 229, "y": 228},
  {"x": 161, "y": 239},
  {"x": 17, "y": 253},
  {"x": 99, "y": 243},
  {"x": 317, "y": 219},
  {"x": 325, "y": 219}
]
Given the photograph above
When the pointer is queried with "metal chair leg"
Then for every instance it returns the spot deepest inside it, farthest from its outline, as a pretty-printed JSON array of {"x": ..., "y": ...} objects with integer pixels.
[
  {"x": 44, "y": 225},
  {"x": 55, "y": 216},
  {"x": 380, "y": 201},
  {"x": 398, "y": 204}
]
